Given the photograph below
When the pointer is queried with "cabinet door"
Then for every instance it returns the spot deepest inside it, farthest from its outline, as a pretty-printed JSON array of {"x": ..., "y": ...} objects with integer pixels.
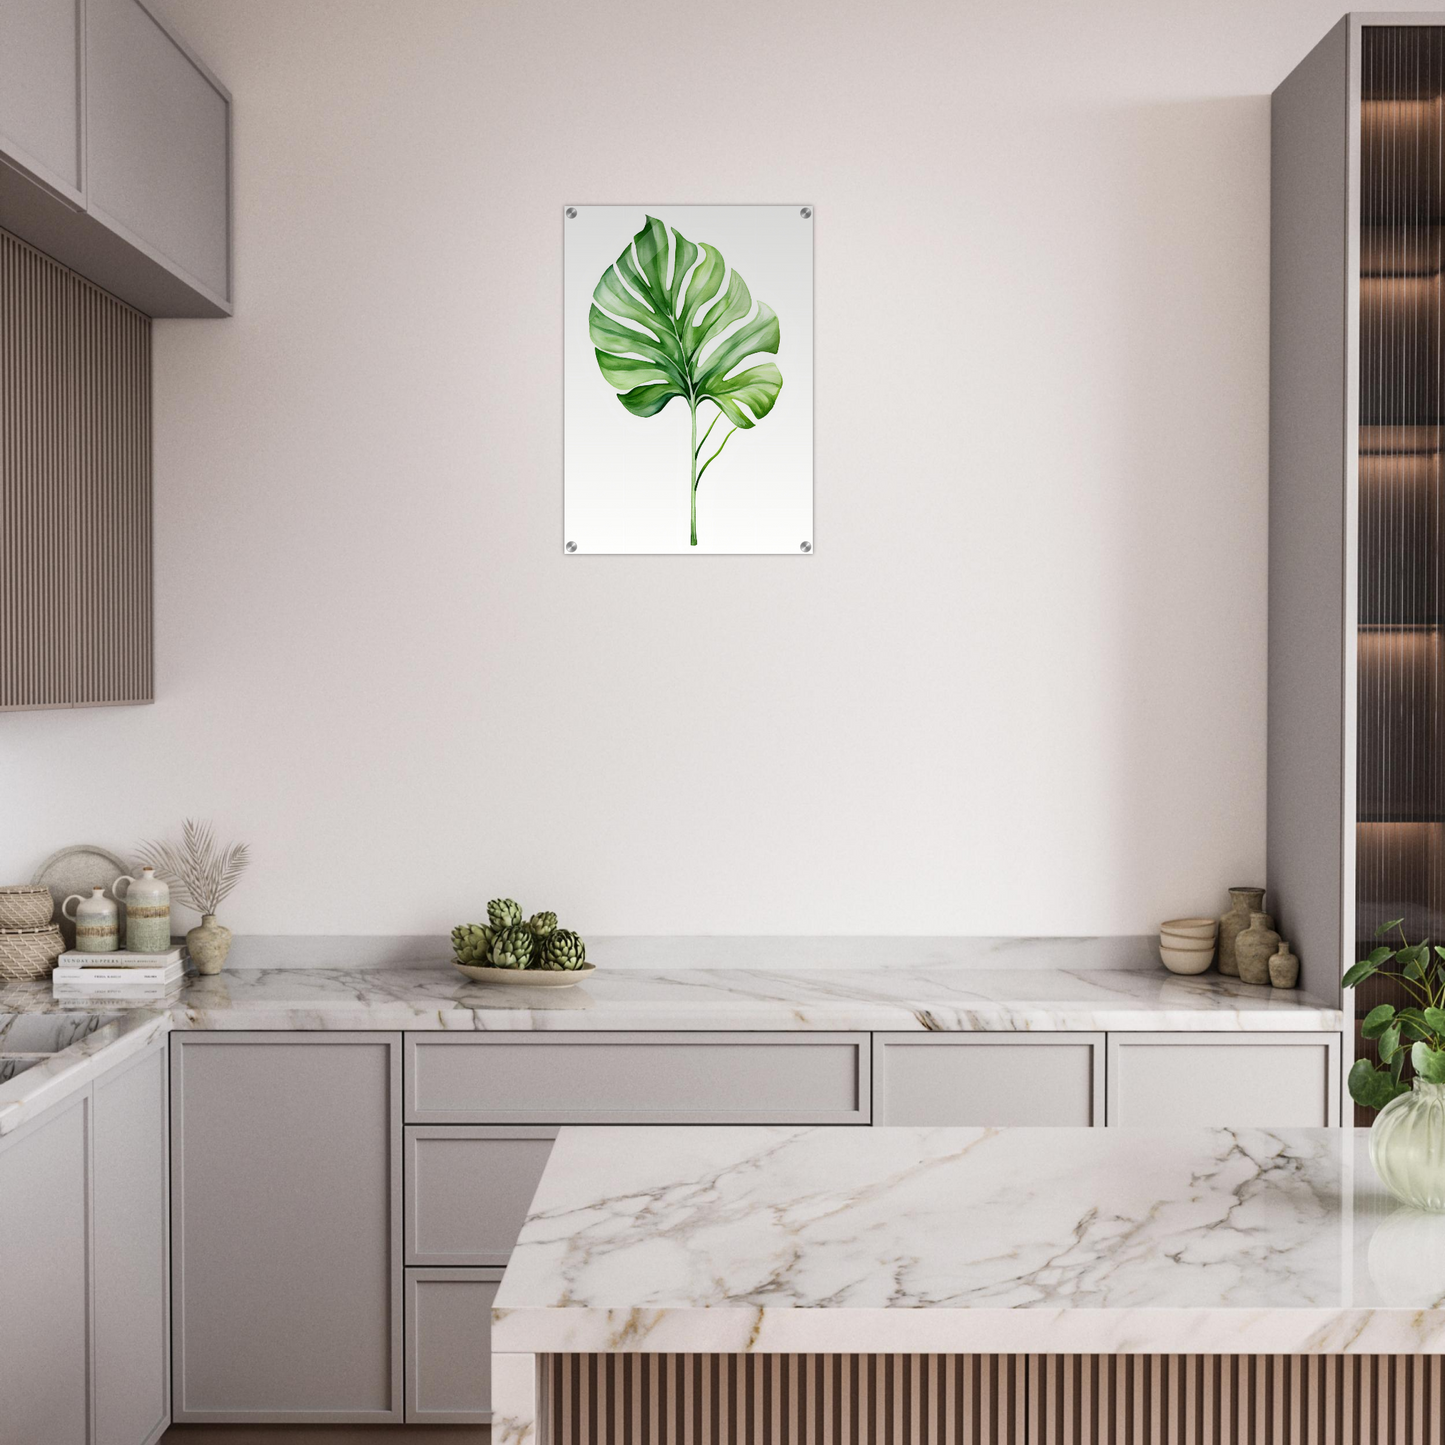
[
  {"x": 44, "y": 1249},
  {"x": 42, "y": 94},
  {"x": 448, "y": 1349},
  {"x": 132, "y": 1237},
  {"x": 158, "y": 144},
  {"x": 988, "y": 1079},
  {"x": 1165, "y": 1081},
  {"x": 468, "y": 1189},
  {"x": 286, "y": 1227}
]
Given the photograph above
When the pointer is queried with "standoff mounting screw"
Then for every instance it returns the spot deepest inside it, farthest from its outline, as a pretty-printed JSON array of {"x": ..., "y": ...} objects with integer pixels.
[
  {"x": 805, "y": 546},
  {"x": 806, "y": 212},
  {"x": 571, "y": 213},
  {"x": 571, "y": 546}
]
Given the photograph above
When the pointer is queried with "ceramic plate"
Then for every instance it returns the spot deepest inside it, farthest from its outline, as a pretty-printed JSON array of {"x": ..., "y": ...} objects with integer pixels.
[
  {"x": 78, "y": 870},
  {"x": 536, "y": 977}
]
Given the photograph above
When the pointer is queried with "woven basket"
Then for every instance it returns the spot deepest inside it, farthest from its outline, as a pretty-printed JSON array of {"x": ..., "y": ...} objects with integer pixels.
[
  {"x": 29, "y": 953},
  {"x": 26, "y": 905}
]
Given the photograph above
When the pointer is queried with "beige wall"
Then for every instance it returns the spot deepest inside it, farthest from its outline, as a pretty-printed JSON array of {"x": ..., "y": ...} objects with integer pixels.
[{"x": 1019, "y": 688}]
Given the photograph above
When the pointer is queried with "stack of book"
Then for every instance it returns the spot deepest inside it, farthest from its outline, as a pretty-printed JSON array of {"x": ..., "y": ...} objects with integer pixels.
[{"x": 131, "y": 976}]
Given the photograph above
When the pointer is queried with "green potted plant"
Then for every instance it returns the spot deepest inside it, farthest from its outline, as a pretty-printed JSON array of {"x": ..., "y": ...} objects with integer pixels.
[{"x": 1407, "y": 1139}]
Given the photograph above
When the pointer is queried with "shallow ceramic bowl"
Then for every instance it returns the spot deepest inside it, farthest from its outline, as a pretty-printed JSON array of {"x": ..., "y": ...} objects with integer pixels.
[
  {"x": 26, "y": 905},
  {"x": 1191, "y": 927},
  {"x": 1185, "y": 960},
  {"x": 1182, "y": 940},
  {"x": 535, "y": 977}
]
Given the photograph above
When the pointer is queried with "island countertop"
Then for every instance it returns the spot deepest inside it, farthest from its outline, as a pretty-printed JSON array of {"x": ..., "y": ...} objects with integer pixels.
[
  {"x": 947, "y": 999},
  {"x": 915, "y": 1240}
]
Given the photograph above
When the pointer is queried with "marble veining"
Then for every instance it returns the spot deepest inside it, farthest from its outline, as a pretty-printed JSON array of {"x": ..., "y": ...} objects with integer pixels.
[
  {"x": 908, "y": 1239},
  {"x": 941, "y": 998}
]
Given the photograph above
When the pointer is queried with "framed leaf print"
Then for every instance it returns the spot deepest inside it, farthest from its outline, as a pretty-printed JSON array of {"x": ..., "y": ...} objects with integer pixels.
[{"x": 688, "y": 375}]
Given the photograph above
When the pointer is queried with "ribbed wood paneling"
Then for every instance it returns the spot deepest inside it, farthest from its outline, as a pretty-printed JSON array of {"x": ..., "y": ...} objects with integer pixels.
[
  {"x": 637, "y": 1399},
  {"x": 75, "y": 489}
]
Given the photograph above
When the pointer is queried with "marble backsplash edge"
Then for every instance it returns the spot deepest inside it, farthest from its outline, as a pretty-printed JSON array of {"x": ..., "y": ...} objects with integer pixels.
[{"x": 1124, "y": 951}]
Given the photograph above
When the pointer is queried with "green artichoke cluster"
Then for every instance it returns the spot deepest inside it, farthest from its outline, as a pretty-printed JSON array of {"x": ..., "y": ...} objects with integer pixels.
[{"x": 505, "y": 941}]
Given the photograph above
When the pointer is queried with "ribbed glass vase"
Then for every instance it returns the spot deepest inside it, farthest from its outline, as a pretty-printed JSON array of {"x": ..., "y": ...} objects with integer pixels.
[{"x": 1407, "y": 1147}]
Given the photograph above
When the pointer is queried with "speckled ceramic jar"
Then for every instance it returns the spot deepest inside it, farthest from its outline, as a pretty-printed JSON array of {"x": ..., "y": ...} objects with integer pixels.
[
  {"x": 209, "y": 944},
  {"x": 1242, "y": 903},
  {"x": 1284, "y": 967},
  {"x": 147, "y": 912},
  {"x": 1254, "y": 948},
  {"x": 96, "y": 920}
]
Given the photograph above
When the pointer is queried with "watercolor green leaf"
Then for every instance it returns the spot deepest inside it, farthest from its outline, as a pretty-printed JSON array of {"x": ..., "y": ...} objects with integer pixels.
[{"x": 664, "y": 325}]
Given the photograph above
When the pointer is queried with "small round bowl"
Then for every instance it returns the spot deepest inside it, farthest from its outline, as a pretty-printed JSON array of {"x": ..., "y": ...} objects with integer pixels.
[
  {"x": 1181, "y": 940},
  {"x": 1185, "y": 960},
  {"x": 1191, "y": 927},
  {"x": 26, "y": 905}
]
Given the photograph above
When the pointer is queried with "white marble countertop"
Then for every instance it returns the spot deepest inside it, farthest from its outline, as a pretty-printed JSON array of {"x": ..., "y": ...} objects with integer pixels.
[
  {"x": 970, "y": 1240},
  {"x": 942, "y": 998}
]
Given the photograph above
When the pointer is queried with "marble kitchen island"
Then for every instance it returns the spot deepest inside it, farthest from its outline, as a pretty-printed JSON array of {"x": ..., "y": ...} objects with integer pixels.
[{"x": 930, "y": 1244}]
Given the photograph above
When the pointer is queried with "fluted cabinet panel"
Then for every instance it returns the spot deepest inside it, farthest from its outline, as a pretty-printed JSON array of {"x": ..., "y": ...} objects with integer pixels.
[
  {"x": 641, "y": 1399},
  {"x": 75, "y": 489}
]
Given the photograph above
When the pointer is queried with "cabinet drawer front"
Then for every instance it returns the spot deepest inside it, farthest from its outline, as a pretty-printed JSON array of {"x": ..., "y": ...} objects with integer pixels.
[
  {"x": 618, "y": 1078},
  {"x": 989, "y": 1080},
  {"x": 468, "y": 1190},
  {"x": 1269, "y": 1081},
  {"x": 448, "y": 1349}
]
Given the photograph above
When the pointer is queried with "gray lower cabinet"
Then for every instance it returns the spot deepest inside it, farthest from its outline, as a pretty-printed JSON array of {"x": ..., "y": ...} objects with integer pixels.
[
  {"x": 468, "y": 1188},
  {"x": 1253, "y": 1080},
  {"x": 83, "y": 1264},
  {"x": 44, "y": 1248},
  {"x": 131, "y": 1296},
  {"x": 638, "y": 1078},
  {"x": 988, "y": 1079},
  {"x": 286, "y": 1227},
  {"x": 448, "y": 1345}
]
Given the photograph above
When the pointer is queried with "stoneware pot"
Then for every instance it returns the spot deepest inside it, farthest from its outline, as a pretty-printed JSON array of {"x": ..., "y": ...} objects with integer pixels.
[
  {"x": 209, "y": 943},
  {"x": 147, "y": 912},
  {"x": 1254, "y": 948},
  {"x": 1242, "y": 903},
  {"x": 1284, "y": 967},
  {"x": 96, "y": 920},
  {"x": 1407, "y": 1147}
]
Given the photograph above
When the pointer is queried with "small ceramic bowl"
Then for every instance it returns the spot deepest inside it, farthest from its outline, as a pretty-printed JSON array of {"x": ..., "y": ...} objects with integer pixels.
[
  {"x": 1183, "y": 940},
  {"x": 1191, "y": 927},
  {"x": 26, "y": 905},
  {"x": 1185, "y": 960}
]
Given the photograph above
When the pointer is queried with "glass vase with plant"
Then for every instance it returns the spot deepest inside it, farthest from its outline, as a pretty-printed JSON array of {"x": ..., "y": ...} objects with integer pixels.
[{"x": 1407, "y": 1139}]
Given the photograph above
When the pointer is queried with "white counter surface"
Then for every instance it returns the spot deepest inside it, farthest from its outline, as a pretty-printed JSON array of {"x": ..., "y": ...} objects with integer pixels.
[
  {"x": 946, "y": 999},
  {"x": 970, "y": 1240}
]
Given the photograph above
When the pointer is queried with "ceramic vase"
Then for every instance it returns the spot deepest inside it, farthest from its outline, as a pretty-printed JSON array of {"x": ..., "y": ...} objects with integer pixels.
[
  {"x": 96, "y": 920},
  {"x": 1254, "y": 948},
  {"x": 1407, "y": 1147},
  {"x": 1284, "y": 967},
  {"x": 147, "y": 902},
  {"x": 209, "y": 944},
  {"x": 1242, "y": 903}
]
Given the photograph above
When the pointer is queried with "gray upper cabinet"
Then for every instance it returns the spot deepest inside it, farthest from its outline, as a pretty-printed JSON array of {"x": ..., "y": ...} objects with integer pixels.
[
  {"x": 118, "y": 148},
  {"x": 42, "y": 92},
  {"x": 158, "y": 145},
  {"x": 286, "y": 1227}
]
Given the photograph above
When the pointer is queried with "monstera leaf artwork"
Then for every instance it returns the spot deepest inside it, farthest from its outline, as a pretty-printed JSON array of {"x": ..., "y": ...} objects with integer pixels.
[{"x": 664, "y": 326}]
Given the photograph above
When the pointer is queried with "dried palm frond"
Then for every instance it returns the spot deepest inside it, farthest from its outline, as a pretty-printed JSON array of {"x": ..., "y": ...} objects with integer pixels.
[{"x": 201, "y": 876}]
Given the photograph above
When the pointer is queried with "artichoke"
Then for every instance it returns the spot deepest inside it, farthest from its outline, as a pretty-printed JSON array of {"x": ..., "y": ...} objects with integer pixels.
[
  {"x": 472, "y": 944},
  {"x": 542, "y": 924},
  {"x": 564, "y": 949},
  {"x": 514, "y": 946},
  {"x": 504, "y": 912}
]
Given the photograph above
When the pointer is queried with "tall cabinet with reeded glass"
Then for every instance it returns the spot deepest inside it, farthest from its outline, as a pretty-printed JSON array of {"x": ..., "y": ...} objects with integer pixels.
[{"x": 1357, "y": 526}]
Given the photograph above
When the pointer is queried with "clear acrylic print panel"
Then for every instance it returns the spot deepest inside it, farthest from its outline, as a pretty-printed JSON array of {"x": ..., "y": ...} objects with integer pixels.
[{"x": 628, "y": 477}]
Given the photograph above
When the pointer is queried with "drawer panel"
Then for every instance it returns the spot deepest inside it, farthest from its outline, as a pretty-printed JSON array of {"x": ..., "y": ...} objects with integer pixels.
[
  {"x": 468, "y": 1188},
  {"x": 989, "y": 1079},
  {"x": 448, "y": 1345},
  {"x": 642, "y": 1078},
  {"x": 1231, "y": 1081}
]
